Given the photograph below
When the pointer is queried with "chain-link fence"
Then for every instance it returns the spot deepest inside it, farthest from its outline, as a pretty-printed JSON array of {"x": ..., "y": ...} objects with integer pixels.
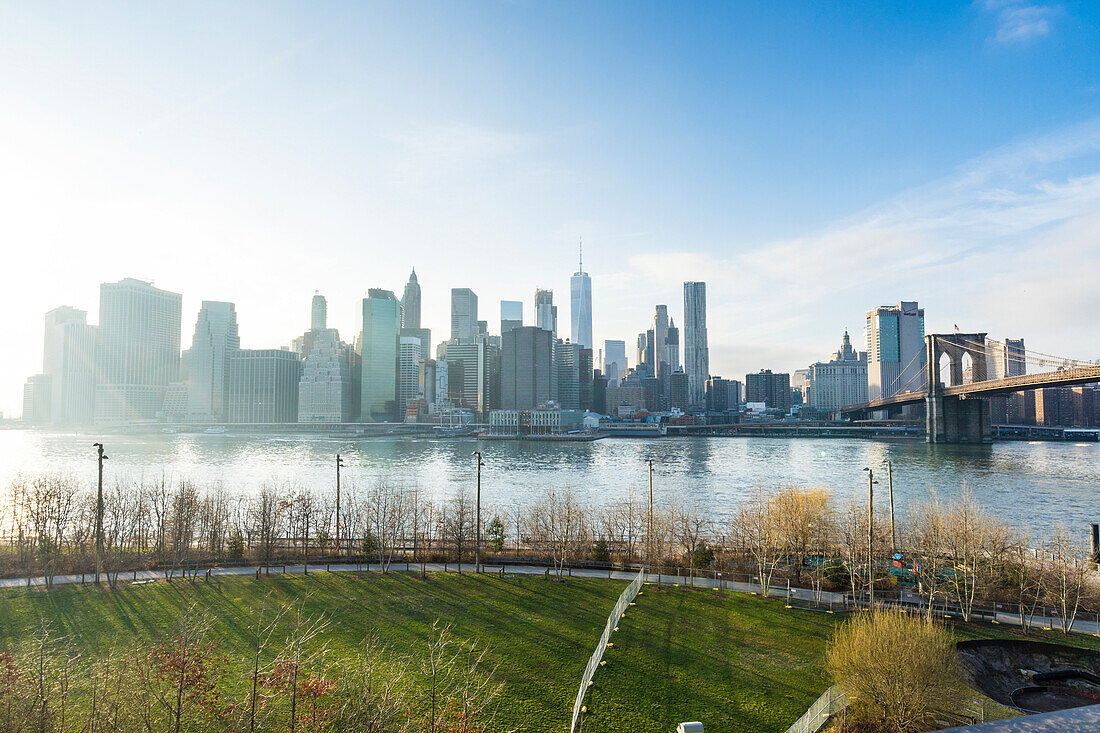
[
  {"x": 830, "y": 703},
  {"x": 625, "y": 599}
]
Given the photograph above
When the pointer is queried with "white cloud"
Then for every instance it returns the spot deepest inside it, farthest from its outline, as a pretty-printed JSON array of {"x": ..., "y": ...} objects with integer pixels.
[
  {"x": 1009, "y": 244},
  {"x": 1019, "y": 22}
]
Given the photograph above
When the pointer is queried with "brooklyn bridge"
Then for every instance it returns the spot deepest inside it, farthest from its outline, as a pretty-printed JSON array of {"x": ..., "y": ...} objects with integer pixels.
[{"x": 950, "y": 380}]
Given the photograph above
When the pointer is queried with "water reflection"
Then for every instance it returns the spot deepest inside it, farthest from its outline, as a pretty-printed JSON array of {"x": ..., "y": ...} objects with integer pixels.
[{"x": 1033, "y": 484}]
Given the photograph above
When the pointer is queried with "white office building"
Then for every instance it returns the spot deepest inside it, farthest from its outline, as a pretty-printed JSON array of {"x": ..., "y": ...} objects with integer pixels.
[
  {"x": 614, "y": 360},
  {"x": 137, "y": 350},
  {"x": 840, "y": 381},
  {"x": 463, "y": 314},
  {"x": 580, "y": 307},
  {"x": 69, "y": 361},
  {"x": 325, "y": 389},
  {"x": 215, "y": 342}
]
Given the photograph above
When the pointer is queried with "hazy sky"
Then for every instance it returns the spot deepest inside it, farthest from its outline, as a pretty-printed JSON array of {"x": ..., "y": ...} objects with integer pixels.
[{"x": 808, "y": 162}]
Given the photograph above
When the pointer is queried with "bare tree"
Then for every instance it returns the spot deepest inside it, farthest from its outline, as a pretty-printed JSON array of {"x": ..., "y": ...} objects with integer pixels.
[
  {"x": 756, "y": 526},
  {"x": 1028, "y": 574},
  {"x": 1066, "y": 583},
  {"x": 802, "y": 515},
  {"x": 561, "y": 523},
  {"x": 458, "y": 521},
  {"x": 929, "y": 530},
  {"x": 435, "y": 669},
  {"x": 374, "y": 690},
  {"x": 267, "y": 519},
  {"x": 184, "y": 522},
  {"x": 387, "y": 514},
  {"x": 303, "y": 513},
  {"x": 52, "y": 501},
  {"x": 691, "y": 523}
]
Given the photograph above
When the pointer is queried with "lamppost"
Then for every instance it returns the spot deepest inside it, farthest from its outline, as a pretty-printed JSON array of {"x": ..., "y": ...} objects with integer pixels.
[
  {"x": 339, "y": 464},
  {"x": 870, "y": 537},
  {"x": 649, "y": 528},
  {"x": 101, "y": 457},
  {"x": 477, "y": 539}
]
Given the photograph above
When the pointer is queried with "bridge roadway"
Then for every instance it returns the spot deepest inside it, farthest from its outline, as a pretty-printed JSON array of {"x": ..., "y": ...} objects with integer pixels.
[{"x": 988, "y": 388}]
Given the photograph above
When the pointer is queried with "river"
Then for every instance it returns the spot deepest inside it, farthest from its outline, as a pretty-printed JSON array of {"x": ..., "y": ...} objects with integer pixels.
[{"x": 1034, "y": 485}]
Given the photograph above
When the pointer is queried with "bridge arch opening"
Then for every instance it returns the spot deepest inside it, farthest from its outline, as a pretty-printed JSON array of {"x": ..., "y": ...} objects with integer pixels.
[
  {"x": 945, "y": 370},
  {"x": 967, "y": 363}
]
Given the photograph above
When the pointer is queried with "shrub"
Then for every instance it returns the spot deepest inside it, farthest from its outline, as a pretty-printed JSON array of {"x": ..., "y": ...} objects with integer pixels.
[
  {"x": 703, "y": 557},
  {"x": 900, "y": 671},
  {"x": 600, "y": 551},
  {"x": 235, "y": 545},
  {"x": 495, "y": 531}
]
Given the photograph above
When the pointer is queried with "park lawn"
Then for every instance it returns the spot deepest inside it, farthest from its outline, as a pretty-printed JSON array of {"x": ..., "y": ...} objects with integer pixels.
[
  {"x": 736, "y": 662},
  {"x": 540, "y": 632}
]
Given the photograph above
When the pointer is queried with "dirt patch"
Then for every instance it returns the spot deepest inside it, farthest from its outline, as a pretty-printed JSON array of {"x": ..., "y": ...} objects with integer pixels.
[{"x": 1032, "y": 675}]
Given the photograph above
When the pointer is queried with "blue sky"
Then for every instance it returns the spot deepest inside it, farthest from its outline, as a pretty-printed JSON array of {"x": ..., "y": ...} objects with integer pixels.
[{"x": 808, "y": 160}]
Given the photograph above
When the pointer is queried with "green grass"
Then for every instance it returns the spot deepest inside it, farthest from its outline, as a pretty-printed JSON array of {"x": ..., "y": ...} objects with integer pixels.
[
  {"x": 734, "y": 661},
  {"x": 540, "y": 633}
]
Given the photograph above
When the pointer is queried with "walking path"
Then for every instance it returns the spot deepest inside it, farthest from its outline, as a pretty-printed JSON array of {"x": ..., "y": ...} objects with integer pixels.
[{"x": 797, "y": 594}]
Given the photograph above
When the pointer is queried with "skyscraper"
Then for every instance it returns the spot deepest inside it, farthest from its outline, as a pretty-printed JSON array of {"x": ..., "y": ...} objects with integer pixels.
[
  {"x": 263, "y": 386},
  {"x": 318, "y": 316},
  {"x": 409, "y": 388},
  {"x": 840, "y": 381},
  {"x": 614, "y": 361},
  {"x": 37, "y": 396},
  {"x": 660, "y": 334},
  {"x": 215, "y": 342},
  {"x": 678, "y": 390},
  {"x": 69, "y": 361},
  {"x": 527, "y": 377},
  {"x": 511, "y": 315},
  {"x": 410, "y": 304},
  {"x": 580, "y": 307},
  {"x": 378, "y": 347},
  {"x": 696, "y": 353},
  {"x": 672, "y": 346},
  {"x": 137, "y": 350},
  {"x": 325, "y": 390},
  {"x": 568, "y": 362},
  {"x": 471, "y": 372},
  {"x": 895, "y": 349},
  {"x": 463, "y": 314},
  {"x": 546, "y": 313}
]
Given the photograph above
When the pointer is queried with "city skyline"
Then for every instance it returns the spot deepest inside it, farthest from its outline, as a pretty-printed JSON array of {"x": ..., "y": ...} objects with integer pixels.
[{"x": 283, "y": 156}]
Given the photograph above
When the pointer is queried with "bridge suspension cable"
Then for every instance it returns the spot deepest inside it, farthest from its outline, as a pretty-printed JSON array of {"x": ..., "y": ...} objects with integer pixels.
[
  {"x": 890, "y": 390},
  {"x": 1049, "y": 363}
]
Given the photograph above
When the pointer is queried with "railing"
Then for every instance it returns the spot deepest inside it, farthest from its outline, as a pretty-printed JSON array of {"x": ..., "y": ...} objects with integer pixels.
[
  {"x": 830, "y": 703},
  {"x": 625, "y": 599}
]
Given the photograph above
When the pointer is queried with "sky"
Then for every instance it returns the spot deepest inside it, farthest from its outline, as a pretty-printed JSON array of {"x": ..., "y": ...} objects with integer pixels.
[{"x": 809, "y": 161}]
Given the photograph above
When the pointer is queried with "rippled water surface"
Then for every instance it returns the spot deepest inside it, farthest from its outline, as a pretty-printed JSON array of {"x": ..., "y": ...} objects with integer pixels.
[{"x": 1032, "y": 484}]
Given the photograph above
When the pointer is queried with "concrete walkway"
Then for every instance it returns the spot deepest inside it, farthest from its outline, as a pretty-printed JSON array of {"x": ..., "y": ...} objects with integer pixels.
[{"x": 797, "y": 594}]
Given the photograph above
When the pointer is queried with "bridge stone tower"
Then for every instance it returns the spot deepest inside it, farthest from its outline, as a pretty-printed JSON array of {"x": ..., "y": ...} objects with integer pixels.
[{"x": 950, "y": 418}]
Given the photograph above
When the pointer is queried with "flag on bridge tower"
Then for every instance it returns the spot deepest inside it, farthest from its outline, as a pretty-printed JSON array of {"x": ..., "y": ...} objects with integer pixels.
[{"x": 956, "y": 328}]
